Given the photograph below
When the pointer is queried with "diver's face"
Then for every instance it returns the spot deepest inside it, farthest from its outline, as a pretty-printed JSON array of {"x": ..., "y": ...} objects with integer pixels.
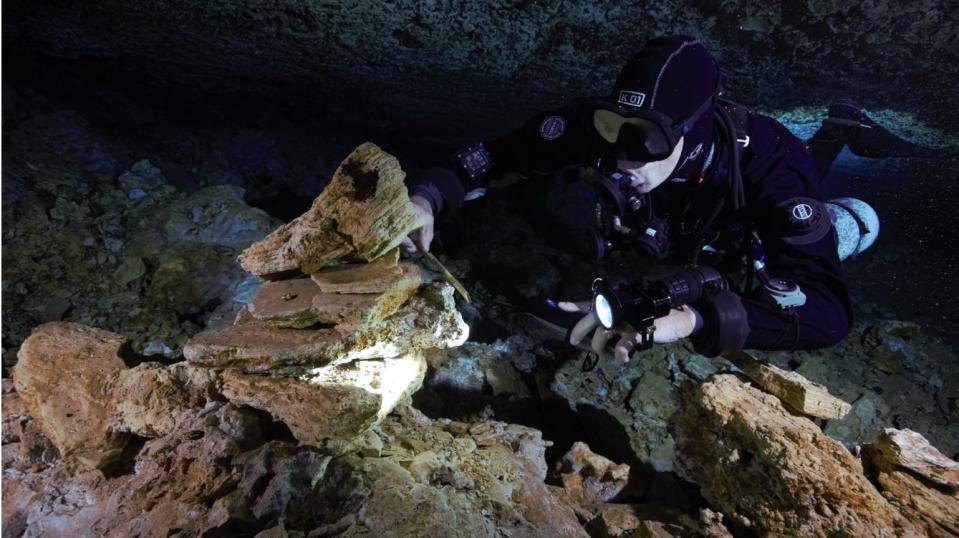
[{"x": 648, "y": 176}]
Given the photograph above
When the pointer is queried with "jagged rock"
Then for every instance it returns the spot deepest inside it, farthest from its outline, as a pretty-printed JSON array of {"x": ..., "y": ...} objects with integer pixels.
[
  {"x": 774, "y": 471},
  {"x": 62, "y": 377},
  {"x": 215, "y": 473},
  {"x": 376, "y": 276},
  {"x": 621, "y": 521},
  {"x": 428, "y": 320},
  {"x": 642, "y": 395},
  {"x": 917, "y": 479},
  {"x": 24, "y": 445},
  {"x": 794, "y": 390},
  {"x": 590, "y": 479},
  {"x": 331, "y": 407},
  {"x": 150, "y": 399},
  {"x": 286, "y": 303},
  {"x": 362, "y": 214},
  {"x": 358, "y": 309},
  {"x": 435, "y": 479},
  {"x": 474, "y": 366},
  {"x": 888, "y": 393},
  {"x": 216, "y": 215}
]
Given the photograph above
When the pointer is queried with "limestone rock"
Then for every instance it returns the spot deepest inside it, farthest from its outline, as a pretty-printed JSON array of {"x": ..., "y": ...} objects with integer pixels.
[
  {"x": 774, "y": 471},
  {"x": 256, "y": 346},
  {"x": 333, "y": 406},
  {"x": 643, "y": 396},
  {"x": 216, "y": 473},
  {"x": 362, "y": 214},
  {"x": 286, "y": 303},
  {"x": 62, "y": 376},
  {"x": 908, "y": 451},
  {"x": 796, "y": 391},
  {"x": 376, "y": 276},
  {"x": 428, "y": 320},
  {"x": 435, "y": 479},
  {"x": 359, "y": 309},
  {"x": 474, "y": 366},
  {"x": 590, "y": 479},
  {"x": 24, "y": 445},
  {"x": 917, "y": 479},
  {"x": 150, "y": 399}
]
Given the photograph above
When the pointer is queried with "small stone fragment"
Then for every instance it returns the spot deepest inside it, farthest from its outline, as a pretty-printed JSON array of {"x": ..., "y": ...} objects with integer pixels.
[
  {"x": 918, "y": 479},
  {"x": 799, "y": 393},
  {"x": 590, "y": 479}
]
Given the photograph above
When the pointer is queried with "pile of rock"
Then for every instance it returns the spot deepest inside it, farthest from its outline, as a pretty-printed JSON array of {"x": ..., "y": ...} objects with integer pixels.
[{"x": 322, "y": 347}]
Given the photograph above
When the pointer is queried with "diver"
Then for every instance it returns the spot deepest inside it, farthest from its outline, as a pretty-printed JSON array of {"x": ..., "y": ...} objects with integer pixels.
[{"x": 681, "y": 173}]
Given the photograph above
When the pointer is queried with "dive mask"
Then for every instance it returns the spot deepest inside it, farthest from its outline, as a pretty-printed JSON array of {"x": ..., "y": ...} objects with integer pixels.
[{"x": 642, "y": 135}]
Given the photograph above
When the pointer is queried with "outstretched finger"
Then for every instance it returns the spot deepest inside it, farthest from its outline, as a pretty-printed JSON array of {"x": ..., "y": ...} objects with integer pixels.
[
  {"x": 600, "y": 338},
  {"x": 425, "y": 238},
  {"x": 408, "y": 246},
  {"x": 624, "y": 347},
  {"x": 582, "y": 328}
]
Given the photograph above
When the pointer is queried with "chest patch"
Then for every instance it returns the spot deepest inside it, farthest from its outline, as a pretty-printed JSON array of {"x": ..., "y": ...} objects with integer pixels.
[{"x": 552, "y": 127}]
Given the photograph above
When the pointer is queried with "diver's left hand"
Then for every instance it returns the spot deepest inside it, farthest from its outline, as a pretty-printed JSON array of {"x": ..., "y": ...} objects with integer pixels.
[{"x": 680, "y": 323}]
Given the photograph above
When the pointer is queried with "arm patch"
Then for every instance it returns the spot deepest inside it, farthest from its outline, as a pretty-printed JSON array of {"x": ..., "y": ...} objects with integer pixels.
[{"x": 803, "y": 220}]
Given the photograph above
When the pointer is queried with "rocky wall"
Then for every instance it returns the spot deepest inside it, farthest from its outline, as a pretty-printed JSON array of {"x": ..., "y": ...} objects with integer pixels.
[{"x": 463, "y": 69}]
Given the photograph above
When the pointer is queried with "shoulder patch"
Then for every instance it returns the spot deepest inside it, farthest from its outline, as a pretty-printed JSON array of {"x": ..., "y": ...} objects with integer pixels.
[
  {"x": 552, "y": 127},
  {"x": 804, "y": 220}
]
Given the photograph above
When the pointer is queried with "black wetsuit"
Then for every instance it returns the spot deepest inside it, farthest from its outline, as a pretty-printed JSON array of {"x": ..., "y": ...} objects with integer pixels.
[{"x": 779, "y": 184}]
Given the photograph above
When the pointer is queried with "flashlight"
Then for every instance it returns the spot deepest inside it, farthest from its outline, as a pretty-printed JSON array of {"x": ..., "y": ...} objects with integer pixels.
[{"x": 641, "y": 305}]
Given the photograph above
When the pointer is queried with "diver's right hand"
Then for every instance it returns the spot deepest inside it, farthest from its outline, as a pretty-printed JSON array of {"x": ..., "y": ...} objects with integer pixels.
[{"x": 424, "y": 235}]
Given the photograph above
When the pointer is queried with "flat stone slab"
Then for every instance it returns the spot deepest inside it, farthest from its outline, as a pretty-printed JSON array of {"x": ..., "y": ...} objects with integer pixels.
[
  {"x": 428, "y": 320},
  {"x": 258, "y": 346},
  {"x": 286, "y": 303},
  {"x": 799, "y": 393},
  {"x": 358, "y": 309},
  {"x": 374, "y": 277}
]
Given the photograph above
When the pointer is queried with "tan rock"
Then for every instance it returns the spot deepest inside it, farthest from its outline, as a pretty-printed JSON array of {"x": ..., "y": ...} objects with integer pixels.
[
  {"x": 917, "y": 479},
  {"x": 428, "y": 320},
  {"x": 334, "y": 406},
  {"x": 909, "y": 451},
  {"x": 590, "y": 479},
  {"x": 286, "y": 303},
  {"x": 62, "y": 374},
  {"x": 257, "y": 346},
  {"x": 358, "y": 309},
  {"x": 799, "y": 393},
  {"x": 152, "y": 398},
  {"x": 374, "y": 277},
  {"x": 361, "y": 215},
  {"x": 775, "y": 471}
]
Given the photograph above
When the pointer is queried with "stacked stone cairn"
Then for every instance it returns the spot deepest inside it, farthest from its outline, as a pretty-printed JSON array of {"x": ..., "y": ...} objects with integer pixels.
[{"x": 321, "y": 347}]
